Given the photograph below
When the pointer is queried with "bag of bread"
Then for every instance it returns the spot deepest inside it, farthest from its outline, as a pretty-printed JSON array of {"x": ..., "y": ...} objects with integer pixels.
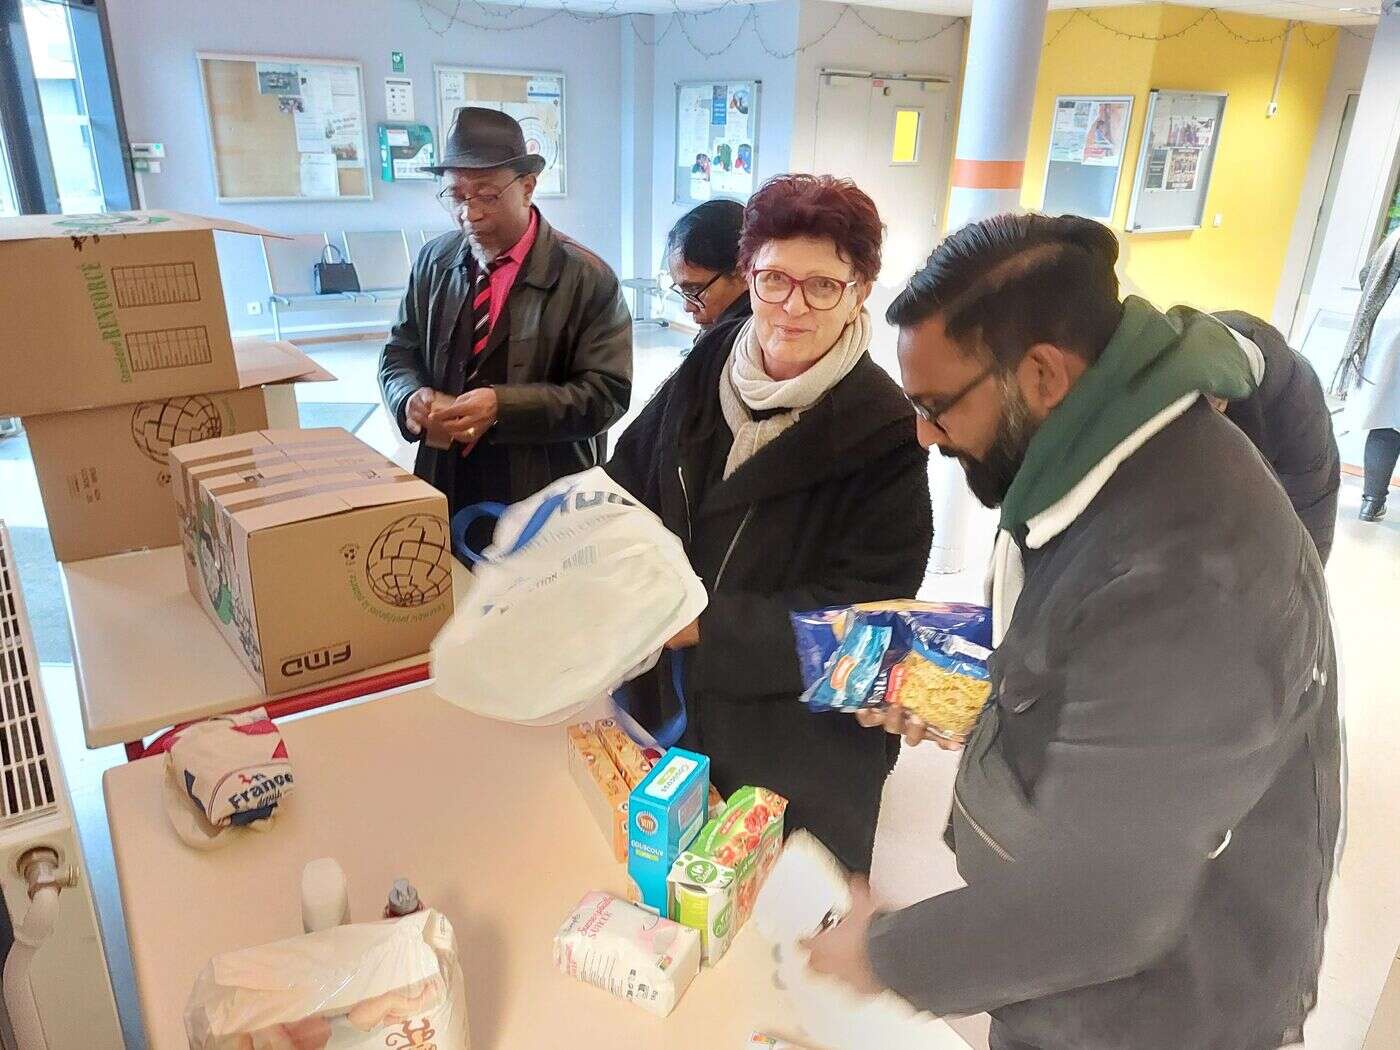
[{"x": 356, "y": 987}]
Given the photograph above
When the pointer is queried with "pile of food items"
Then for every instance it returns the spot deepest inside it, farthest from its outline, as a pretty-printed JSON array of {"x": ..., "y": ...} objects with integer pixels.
[{"x": 695, "y": 864}]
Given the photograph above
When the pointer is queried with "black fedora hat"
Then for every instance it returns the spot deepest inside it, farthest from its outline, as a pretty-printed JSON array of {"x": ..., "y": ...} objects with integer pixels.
[{"x": 486, "y": 138}]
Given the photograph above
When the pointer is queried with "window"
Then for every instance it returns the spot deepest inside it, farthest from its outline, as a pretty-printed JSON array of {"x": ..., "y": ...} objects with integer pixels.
[
  {"x": 9, "y": 198},
  {"x": 907, "y": 125},
  {"x": 1390, "y": 222},
  {"x": 66, "y": 120}
]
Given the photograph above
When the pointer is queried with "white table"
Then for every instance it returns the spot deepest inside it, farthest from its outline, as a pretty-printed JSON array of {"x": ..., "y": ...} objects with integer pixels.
[
  {"x": 482, "y": 817},
  {"x": 147, "y": 656}
]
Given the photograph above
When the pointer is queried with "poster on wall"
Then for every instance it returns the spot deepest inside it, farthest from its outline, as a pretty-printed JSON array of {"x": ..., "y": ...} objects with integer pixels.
[
  {"x": 716, "y": 140},
  {"x": 1088, "y": 140},
  {"x": 1178, "y": 155},
  {"x": 1090, "y": 131},
  {"x": 534, "y": 99}
]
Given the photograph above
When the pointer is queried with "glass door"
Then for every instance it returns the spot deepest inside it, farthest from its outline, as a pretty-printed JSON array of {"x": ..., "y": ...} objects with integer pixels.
[{"x": 64, "y": 104}]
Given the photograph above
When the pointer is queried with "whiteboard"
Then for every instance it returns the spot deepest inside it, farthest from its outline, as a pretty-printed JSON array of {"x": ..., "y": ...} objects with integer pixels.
[
  {"x": 535, "y": 99},
  {"x": 1088, "y": 141},
  {"x": 1179, "y": 144},
  {"x": 716, "y": 140},
  {"x": 284, "y": 128}
]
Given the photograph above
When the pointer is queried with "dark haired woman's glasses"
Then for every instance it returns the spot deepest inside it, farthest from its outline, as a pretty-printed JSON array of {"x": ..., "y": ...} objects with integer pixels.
[
  {"x": 694, "y": 296},
  {"x": 819, "y": 293},
  {"x": 931, "y": 410}
]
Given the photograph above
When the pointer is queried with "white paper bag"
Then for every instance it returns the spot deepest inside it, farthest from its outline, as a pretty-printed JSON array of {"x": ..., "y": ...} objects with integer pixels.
[
  {"x": 805, "y": 892},
  {"x": 579, "y": 592}
]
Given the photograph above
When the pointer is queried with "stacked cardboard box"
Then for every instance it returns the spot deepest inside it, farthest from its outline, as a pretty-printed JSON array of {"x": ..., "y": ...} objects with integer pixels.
[
  {"x": 313, "y": 554},
  {"x": 114, "y": 347}
]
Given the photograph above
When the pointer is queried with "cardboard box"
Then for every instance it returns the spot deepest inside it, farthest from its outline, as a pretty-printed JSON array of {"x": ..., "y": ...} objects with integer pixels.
[
  {"x": 626, "y": 753},
  {"x": 103, "y": 472},
  {"x": 111, "y": 309},
  {"x": 602, "y": 785},
  {"x": 701, "y": 896},
  {"x": 313, "y": 554},
  {"x": 665, "y": 813}
]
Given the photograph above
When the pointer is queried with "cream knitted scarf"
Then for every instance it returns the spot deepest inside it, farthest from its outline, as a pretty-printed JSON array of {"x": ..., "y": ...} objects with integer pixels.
[{"x": 745, "y": 387}]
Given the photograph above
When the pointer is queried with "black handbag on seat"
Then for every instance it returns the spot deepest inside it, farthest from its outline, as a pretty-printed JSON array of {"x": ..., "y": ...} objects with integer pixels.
[{"x": 335, "y": 276}]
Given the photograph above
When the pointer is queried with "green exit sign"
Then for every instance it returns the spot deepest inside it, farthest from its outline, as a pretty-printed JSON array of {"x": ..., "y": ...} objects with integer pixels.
[{"x": 396, "y": 58}]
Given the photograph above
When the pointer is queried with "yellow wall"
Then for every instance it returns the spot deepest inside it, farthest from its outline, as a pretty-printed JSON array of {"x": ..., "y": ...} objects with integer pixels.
[{"x": 1260, "y": 163}]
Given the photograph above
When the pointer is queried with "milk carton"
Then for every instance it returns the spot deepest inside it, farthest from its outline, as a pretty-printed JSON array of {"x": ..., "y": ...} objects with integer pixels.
[
  {"x": 665, "y": 812},
  {"x": 702, "y": 897}
]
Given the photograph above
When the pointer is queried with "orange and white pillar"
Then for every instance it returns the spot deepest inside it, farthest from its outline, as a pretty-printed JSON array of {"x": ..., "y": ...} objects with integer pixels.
[{"x": 1003, "y": 60}]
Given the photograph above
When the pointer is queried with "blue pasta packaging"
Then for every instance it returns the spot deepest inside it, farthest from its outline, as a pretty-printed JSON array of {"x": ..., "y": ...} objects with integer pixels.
[{"x": 928, "y": 657}]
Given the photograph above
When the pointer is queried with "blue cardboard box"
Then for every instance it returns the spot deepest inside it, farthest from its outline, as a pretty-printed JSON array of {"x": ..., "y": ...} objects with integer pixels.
[{"x": 664, "y": 814}]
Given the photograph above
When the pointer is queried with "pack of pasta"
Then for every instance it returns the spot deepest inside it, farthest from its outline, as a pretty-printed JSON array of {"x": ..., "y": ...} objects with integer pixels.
[{"x": 927, "y": 657}]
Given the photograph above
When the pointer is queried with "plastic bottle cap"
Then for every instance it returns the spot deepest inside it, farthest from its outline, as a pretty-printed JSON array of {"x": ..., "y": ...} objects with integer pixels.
[{"x": 403, "y": 898}]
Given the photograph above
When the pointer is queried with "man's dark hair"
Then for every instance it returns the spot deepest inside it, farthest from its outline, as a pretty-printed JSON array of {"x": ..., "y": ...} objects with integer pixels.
[
  {"x": 708, "y": 236},
  {"x": 1011, "y": 281}
]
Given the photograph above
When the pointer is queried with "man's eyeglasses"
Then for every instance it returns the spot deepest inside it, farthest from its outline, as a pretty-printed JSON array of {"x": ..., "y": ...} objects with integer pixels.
[
  {"x": 930, "y": 410},
  {"x": 819, "y": 293},
  {"x": 453, "y": 203},
  {"x": 691, "y": 295}
]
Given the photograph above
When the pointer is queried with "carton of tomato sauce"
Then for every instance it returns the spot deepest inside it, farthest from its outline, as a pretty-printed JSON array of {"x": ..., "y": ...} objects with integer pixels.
[{"x": 746, "y": 836}]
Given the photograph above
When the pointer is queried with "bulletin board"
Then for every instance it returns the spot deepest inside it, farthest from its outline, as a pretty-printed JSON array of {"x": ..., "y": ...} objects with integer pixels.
[
  {"x": 285, "y": 129},
  {"x": 1179, "y": 144},
  {"x": 1088, "y": 140},
  {"x": 535, "y": 99},
  {"x": 716, "y": 140}
]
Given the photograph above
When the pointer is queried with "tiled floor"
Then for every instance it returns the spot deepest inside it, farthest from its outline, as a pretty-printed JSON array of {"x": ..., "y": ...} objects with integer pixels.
[{"x": 911, "y": 861}]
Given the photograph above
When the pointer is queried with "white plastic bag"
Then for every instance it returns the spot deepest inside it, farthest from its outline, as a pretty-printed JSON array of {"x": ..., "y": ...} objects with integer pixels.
[
  {"x": 579, "y": 592},
  {"x": 358, "y": 987}
]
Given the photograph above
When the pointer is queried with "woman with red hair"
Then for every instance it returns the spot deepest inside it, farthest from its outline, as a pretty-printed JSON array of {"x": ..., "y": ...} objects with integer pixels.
[{"x": 786, "y": 460}]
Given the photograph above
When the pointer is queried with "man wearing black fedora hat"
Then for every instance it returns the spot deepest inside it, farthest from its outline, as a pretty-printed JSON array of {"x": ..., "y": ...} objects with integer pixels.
[{"x": 512, "y": 353}]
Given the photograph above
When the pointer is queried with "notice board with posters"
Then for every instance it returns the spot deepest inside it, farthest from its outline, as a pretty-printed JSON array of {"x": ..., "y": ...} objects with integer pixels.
[
  {"x": 535, "y": 99},
  {"x": 716, "y": 140},
  {"x": 1179, "y": 144},
  {"x": 285, "y": 129},
  {"x": 1088, "y": 140}
]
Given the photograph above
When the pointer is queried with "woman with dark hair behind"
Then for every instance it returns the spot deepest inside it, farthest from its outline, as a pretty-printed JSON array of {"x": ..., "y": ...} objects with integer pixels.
[
  {"x": 702, "y": 263},
  {"x": 787, "y": 462}
]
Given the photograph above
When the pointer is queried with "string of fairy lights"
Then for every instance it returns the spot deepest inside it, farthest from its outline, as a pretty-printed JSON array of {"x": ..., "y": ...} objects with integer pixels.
[{"x": 501, "y": 18}]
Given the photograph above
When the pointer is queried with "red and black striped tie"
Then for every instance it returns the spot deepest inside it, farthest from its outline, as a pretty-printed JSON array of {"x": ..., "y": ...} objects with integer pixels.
[{"x": 481, "y": 306}]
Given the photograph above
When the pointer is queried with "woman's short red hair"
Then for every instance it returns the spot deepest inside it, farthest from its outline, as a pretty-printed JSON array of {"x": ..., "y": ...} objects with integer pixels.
[{"x": 818, "y": 206}]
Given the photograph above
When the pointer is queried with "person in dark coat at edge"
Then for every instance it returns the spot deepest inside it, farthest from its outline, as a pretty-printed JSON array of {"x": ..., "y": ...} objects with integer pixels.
[
  {"x": 1146, "y": 812},
  {"x": 787, "y": 462},
  {"x": 1288, "y": 420},
  {"x": 512, "y": 353},
  {"x": 702, "y": 264}
]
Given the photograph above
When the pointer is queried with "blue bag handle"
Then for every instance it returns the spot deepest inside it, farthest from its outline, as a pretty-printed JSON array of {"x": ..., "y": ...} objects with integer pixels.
[
  {"x": 463, "y": 520},
  {"x": 465, "y": 517},
  {"x": 674, "y": 728}
]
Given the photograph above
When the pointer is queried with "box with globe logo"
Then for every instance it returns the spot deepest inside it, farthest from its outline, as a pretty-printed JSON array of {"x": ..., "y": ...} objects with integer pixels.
[
  {"x": 103, "y": 472},
  {"x": 702, "y": 897},
  {"x": 314, "y": 555}
]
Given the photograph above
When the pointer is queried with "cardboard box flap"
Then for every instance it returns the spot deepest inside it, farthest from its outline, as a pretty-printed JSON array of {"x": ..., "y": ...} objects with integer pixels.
[
  {"x": 39, "y": 227},
  {"x": 262, "y": 361}
]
